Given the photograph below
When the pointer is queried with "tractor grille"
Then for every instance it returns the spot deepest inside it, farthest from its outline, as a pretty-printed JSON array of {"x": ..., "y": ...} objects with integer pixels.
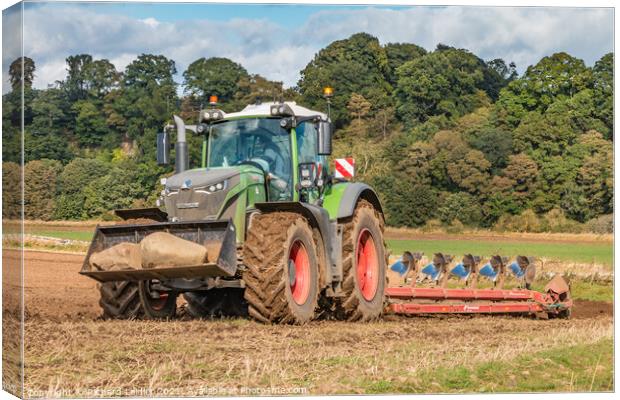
[{"x": 197, "y": 203}]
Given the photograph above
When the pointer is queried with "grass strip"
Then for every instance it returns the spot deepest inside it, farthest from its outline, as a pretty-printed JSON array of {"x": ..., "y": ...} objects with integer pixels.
[
  {"x": 600, "y": 253},
  {"x": 580, "y": 368}
]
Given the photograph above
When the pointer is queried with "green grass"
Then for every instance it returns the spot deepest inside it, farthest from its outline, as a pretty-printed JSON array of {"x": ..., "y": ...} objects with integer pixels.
[
  {"x": 582, "y": 253},
  {"x": 72, "y": 235},
  {"x": 591, "y": 291},
  {"x": 585, "y": 290},
  {"x": 585, "y": 368}
]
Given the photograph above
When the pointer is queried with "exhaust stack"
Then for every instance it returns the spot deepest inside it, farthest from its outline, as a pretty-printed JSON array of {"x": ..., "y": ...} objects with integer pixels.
[{"x": 181, "y": 162}]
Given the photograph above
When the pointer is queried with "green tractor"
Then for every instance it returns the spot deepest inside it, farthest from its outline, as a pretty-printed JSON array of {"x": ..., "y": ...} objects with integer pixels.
[{"x": 288, "y": 241}]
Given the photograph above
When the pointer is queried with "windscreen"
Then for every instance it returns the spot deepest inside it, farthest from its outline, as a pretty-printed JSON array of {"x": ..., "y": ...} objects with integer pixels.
[{"x": 255, "y": 140}]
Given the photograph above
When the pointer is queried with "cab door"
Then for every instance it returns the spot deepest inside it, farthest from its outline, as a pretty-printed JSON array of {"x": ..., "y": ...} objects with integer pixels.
[{"x": 306, "y": 138}]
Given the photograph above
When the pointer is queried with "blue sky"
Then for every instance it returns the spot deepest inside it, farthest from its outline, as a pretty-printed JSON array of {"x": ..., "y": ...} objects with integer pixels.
[
  {"x": 290, "y": 15},
  {"x": 277, "y": 41}
]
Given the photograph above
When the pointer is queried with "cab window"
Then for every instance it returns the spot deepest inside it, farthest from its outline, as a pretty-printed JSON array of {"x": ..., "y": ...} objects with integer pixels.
[{"x": 306, "y": 142}]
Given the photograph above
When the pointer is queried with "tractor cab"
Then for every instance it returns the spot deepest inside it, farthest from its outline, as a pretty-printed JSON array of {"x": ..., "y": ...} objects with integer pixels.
[{"x": 268, "y": 152}]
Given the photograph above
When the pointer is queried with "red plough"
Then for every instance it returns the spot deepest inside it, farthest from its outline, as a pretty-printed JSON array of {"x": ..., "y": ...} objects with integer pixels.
[{"x": 424, "y": 289}]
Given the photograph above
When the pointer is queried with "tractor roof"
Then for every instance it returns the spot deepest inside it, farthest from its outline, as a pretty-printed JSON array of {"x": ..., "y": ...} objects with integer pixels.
[{"x": 264, "y": 110}]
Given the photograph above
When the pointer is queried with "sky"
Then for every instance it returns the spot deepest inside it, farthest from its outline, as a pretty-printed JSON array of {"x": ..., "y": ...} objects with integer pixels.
[{"x": 277, "y": 41}]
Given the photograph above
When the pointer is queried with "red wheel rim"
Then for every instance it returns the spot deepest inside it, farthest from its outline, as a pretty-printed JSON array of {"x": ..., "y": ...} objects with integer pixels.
[
  {"x": 156, "y": 304},
  {"x": 367, "y": 265},
  {"x": 299, "y": 272}
]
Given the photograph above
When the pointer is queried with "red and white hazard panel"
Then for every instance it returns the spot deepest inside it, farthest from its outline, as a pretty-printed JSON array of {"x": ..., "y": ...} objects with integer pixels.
[{"x": 344, "y": 168}]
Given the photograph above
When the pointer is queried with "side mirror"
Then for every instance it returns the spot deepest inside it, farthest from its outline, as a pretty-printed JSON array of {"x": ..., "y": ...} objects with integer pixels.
[
  {"x": 163, "y": 148},
  {"x": 324, "y": 142}
]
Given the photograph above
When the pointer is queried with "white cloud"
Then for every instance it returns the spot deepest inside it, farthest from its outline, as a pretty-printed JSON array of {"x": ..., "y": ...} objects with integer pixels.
[
  {"x": 152, "y": 22},
  {"x": 11, "y": 41},
  {"x": 523, "y": 35}
]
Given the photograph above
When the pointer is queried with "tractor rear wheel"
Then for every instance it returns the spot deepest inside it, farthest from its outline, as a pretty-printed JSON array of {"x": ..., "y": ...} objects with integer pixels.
[
  {"x": 364, "y": 263},
  {"x": 282, "y": 272},
  {"x": 120, "y": 300},
  {"x": 216, "y": 303}
]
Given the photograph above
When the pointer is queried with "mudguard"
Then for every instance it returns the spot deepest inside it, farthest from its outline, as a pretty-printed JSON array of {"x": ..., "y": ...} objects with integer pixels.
[{"x": 343, "y": 197}]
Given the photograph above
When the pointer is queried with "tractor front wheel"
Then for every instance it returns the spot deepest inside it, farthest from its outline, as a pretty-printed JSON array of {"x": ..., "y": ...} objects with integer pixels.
[
  {"x": 364, "y": 263},
  {"x": 120, "y": 300},
  {"x": 216, "y": 303},
  {"x": 157, "y": 304},
  {"x": 282, "y": 272}
]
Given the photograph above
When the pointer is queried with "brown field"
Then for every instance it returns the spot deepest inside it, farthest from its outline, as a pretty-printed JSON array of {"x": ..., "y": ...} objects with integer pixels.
[{"x": 70, "y": 352}]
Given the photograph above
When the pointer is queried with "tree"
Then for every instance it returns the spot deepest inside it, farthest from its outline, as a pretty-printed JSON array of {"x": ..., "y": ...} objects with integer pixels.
[
  {"x": 115, "y": 190},
  {"x": 101, "y": 77},
  {"x": 445, "y": 82},
  {"x": 603, "y": 87},
  {"x": 358, "y": 107},
  {"x": 398, "y": 54},
  {"x": 90, "y": 123},
  {"x": 590, "y": 192},
  {"x": 76, "y": 175},
  {"x": 50, "y": 112},
  {"x": 52, "y": 146},
  {"x": 149, "y": 71},
  {"x": 470, "y": 172},
  {"x": 494, "y": 143},
  {"x": 255, "y": 88},
  {"x": 461, "y": 206},
  {"x": 557, "y": 76},
  {"x": 11, "y": 190},
  {"x": 405, "y": 205},
  {"x": 522, "y": 176},
  {"x": 382, "y": 122},
  {"x": 148, "y": 97},
  {"x": 21, "y": 71},
  {"x": 506, "y": 72},
  {"x": 77, "y": 76},
  {"x": 355, "y": 65},
  {"x": 415, "y": 164},
  {"x": 214, "y": 76},
  {"x": 496, "y": 76},
  {"x": 556, "y": 174},
  {"x": 40, "y": 188}
]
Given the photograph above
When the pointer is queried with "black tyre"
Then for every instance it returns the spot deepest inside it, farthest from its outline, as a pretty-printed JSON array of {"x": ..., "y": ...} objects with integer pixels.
[
  {"x": 281, "y": 276},
  {"x": 216, "y": 303},
  {"x": 157, "y": 304},
  {"x": 120, "y": 300},
  {"x": 364, "y": 263}
]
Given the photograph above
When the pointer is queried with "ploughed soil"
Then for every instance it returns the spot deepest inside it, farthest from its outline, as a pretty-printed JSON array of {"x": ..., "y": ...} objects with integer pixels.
[
  {"x": 55, "y": 290},
  {"x": 591, "y": 309}
]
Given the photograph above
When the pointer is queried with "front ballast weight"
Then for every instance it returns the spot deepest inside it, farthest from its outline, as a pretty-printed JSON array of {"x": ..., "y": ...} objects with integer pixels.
[{"x": 424, "y": 288}]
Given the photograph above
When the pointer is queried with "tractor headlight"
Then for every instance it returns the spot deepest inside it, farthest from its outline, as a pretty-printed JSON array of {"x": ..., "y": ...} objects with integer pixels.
[
  {"x": 217, "y": 187},
  {"x": 211, "y": 115},
  {"x": 281, "y": 109}
]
